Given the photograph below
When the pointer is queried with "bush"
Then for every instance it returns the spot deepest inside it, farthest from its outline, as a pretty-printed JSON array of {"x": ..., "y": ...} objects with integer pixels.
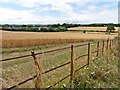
[
  {"x": 84, "y": 31},
  {"x": 61, "y": 28},
  {"x": 53, "y": 29}
]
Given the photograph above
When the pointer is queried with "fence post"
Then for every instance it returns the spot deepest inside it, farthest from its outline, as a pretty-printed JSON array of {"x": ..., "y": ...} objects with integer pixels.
[
  {"x": 97, "y": 48},
  {"x": 72, "y": 65},
  {"x": 107, "y": 43},
  {"x": 88, "y": 54},
  {"x": 110, "y": 43},
  {"x": 38, "y": 82},
  {"x": 113, "y": 41},
  {"x": 103, "y": 47}
]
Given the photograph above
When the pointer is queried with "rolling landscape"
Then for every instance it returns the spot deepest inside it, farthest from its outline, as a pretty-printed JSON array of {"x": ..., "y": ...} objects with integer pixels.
[{"x": 53, "y": 51}]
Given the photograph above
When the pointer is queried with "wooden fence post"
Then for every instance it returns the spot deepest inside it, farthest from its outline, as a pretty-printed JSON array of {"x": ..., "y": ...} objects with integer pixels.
[
  {"x": 72, "y": 65},
  {"x": 103, "y": 47},
  {"x": 110, "y": 44},
  {"x": 112, "y": 41},
  {"x": 107, "y": 43},
  {"x": 38, "y": 82},
  {"x": 97, "y": 48},
  {"x": 88, "y": 54}
]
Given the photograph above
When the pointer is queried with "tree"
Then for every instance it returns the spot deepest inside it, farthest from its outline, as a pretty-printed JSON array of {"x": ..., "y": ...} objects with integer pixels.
[{"x": 110, "y": 28}]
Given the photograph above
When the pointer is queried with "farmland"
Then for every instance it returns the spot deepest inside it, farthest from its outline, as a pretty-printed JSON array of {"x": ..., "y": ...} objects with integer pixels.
[
  {"x": 17, "y": 44},
  {"x": 91, "y": 28},
  {"x": 55, "y": 44},
  {"x": 22, "y": 39},
  {"x": 54, "y": 35},
  {"x": 17, "y": 70}
]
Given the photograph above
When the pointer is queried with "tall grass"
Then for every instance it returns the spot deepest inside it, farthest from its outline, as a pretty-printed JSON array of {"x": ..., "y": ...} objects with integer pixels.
[
  {"x": 102, "y": 73},
  {"x": 18, "y": 70}
]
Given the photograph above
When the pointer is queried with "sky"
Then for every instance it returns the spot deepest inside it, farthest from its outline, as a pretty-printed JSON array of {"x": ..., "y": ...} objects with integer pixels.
[{"x": 58, "y": 11}]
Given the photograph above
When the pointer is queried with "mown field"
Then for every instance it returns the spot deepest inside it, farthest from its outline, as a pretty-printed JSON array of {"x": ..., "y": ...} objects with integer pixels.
[
  {"x": 12, "y": 39},
  {"x": 91, "y": 28}
]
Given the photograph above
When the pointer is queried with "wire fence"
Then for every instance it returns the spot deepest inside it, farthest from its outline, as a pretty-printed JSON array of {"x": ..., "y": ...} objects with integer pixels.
[{"x": 102, "y": 46}]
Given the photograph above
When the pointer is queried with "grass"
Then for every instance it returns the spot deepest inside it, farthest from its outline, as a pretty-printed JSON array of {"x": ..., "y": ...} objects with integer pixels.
[
  {"x": 102, "y": 73},
  {"x": 23, "y": 49},
  {"x": 17, "y": 70},
  {"x": 24, "y": 68}
]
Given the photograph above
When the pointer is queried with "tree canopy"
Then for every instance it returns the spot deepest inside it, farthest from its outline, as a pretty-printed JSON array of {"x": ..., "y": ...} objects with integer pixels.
[{"x": 110, "y": 28}]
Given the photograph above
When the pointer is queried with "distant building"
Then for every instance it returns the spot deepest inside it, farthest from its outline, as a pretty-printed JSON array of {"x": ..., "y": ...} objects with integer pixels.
[{"x": 39, "y": 28}]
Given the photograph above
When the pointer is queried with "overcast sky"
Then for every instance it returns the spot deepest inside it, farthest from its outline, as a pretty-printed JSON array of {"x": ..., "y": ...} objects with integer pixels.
[{"x": 58, "y": 11}]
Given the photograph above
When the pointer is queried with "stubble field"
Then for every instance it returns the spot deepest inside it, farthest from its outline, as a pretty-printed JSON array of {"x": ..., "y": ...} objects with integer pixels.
[{"x": 91, "y": 28}]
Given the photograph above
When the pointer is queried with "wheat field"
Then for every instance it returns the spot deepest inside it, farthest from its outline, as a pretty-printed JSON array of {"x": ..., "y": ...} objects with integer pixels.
[
  {"x": 12, "y": 39},
  {"x": 54, "y": 35}
]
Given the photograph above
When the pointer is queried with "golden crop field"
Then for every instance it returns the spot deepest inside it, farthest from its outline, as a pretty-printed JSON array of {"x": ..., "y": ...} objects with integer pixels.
[
  {"x": 22, "y": 39},
  {"x": 91, "y": 28},
  {"x": 54, "y": 35}
]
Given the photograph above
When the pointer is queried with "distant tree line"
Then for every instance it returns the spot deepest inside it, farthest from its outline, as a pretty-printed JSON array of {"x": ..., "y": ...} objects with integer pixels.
[
  {"x": 33, "y": 28},
  {"x": 51, "y": 27}
]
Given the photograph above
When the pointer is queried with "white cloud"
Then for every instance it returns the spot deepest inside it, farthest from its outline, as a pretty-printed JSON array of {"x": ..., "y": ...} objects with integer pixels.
[
  {"x": 15, "y": 16},
  {"x": 11, "y": 16},
  {"x": 107, "y": 16},
  {"x": 28, "y": 16},
  {"x": 56, "y": 4}
]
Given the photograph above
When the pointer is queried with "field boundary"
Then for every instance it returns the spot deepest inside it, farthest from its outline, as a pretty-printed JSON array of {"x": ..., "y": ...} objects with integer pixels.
[{"x": 109, "y": 45}]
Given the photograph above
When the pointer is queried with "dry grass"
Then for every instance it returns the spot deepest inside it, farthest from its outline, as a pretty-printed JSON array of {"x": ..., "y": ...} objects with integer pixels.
[
  {"x": 11, "y": 43},
  {"x": 17, "y": 70},
  {"x": 21, "y": 39},
  {"x": 91, "y": 28}
]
